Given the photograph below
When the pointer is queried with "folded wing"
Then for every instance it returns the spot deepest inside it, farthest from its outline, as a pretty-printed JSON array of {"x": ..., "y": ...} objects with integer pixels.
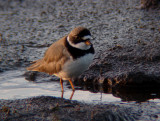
[{"x": 53, "y": 60}]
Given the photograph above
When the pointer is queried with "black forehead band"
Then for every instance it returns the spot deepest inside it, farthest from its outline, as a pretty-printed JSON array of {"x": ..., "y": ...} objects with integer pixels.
[{"x": 84, "y": 33}]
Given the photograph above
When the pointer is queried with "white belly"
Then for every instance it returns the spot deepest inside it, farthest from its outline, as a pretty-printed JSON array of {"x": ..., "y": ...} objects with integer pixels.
[{"x": 74, "y": 68}]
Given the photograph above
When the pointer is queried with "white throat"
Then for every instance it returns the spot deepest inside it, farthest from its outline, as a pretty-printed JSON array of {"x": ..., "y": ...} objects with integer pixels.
[{"x": 80, "y": 45}]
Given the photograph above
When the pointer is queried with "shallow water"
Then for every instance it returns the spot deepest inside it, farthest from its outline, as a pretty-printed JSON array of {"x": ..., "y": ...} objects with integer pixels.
[{"x": 13, "y": 85}]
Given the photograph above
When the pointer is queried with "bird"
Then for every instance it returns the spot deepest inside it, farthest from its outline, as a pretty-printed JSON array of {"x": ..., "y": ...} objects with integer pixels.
[{"x": 68, "y": 57}]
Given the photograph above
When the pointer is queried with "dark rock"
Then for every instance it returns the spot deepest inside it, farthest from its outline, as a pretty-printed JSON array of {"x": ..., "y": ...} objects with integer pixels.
[
  {"x": 39, "y": 76},
  {"x": 30, "y": 75},
  {"x": 145, "y": 4},
  {"x": 51, "y": 108}
]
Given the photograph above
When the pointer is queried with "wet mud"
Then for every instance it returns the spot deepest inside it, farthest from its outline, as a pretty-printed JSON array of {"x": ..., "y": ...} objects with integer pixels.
[{"x": 127, "y": 56}]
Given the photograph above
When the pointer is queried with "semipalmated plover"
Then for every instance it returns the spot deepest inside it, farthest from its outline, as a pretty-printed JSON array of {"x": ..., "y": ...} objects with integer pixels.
[{"x": 68, "y": 57}]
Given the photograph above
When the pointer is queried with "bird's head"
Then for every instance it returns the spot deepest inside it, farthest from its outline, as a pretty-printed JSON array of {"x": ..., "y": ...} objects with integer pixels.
[{"x": 80, "y": 38}]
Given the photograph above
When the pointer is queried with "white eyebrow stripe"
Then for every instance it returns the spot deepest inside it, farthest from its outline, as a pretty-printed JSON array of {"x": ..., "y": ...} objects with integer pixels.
[{"x": 87, "y": 37}]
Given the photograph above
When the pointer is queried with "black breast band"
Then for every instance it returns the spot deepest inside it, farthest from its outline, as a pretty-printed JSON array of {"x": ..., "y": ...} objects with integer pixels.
[{"x": 77, "y": 53}]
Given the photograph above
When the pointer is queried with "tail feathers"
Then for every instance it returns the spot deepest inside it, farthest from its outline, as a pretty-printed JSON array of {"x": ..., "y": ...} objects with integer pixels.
[{"x": 35, "y": 66}]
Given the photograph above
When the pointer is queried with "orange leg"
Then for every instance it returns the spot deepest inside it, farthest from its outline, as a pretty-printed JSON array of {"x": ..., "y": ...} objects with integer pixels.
[
  {"x": 71, "y": 85},
  {"x": 72, "y": 94},
  {"x": 61, "y": 82},
  {"x": 62, "y": 94}
]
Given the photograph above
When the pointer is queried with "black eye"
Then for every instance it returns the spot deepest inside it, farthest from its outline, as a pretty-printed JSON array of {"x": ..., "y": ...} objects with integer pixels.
[{"x": 86, "y": 40}]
